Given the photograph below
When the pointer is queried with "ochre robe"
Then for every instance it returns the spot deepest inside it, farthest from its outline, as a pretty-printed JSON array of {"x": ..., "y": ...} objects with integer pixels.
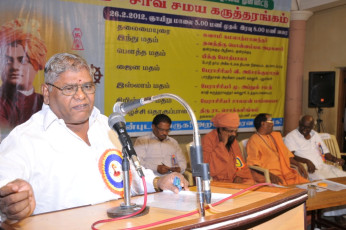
[
  {"x": 224, "y": 165},
  {"x": 270, "y": 152}
]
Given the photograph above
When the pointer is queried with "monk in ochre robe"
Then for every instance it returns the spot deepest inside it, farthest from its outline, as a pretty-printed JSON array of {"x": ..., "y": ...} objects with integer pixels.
[
  {"x": 221, "y": 150},
  {"x": 266, "y": 149}
]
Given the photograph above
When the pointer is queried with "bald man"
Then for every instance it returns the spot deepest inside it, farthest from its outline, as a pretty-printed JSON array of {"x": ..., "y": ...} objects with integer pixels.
[
  {"x": 221, "y": 150},
  {"x": 308, "y": 147}
]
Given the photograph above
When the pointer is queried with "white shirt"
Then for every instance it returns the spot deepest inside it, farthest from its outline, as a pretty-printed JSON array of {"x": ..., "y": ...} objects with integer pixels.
[
  {"x": 61, "y": 168},
  {"x": 309, "y": 149},
  {"x": 153, "y": 152}
]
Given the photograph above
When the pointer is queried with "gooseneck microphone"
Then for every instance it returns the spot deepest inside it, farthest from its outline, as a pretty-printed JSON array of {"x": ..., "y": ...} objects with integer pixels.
[
  {"x": 200, "y": 170},
  {"x": 117, "y": 123},
  {"x": 122, "y": 108}
]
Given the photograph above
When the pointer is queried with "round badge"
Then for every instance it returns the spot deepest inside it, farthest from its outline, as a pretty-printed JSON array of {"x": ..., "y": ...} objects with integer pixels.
[
  {"x": 239, "y": 163},
  {"x": 111, "y": 171}
]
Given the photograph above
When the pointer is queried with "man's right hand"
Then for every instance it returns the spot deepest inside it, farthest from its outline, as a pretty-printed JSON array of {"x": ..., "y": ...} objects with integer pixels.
[
  {"x": 163, "y": 169},
  {"x": 175, "y": 169},
  {"x": 275, "y": 179},
  {"x": 311, "y": 166},
  {"x": 166, "y": 182},
  {"x": 17, "y": 200}
]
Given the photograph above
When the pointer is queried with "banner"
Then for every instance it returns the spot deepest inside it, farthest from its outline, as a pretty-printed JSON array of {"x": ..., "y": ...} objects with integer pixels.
[{"x": 219, "y": 56}]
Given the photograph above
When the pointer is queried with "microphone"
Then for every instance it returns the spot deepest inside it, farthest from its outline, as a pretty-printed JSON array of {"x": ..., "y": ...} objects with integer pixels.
[
  {"x": 117, "y": 123},
  {"x": 199, "y": 169},
  {"x": 122, "y": 108}
]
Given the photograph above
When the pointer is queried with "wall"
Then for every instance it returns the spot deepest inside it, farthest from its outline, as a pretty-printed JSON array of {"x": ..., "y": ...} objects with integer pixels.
[{"x": 325, "y": 51}]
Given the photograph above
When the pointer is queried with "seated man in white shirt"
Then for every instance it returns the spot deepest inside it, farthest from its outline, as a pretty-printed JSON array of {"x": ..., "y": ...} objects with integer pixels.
[
  {"x": 159, "y": 152},
  {"x": 308, "y": 147},
  {"x": 57, "y": 159}
]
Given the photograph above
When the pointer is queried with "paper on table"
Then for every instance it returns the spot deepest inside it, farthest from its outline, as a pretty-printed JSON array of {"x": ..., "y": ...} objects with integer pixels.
[
  {"x": 331, "y": 185},
  {"x": 305, "y": 186},
  {"x": 183, "y": 201},
  {"x": 334, "y": 186}
]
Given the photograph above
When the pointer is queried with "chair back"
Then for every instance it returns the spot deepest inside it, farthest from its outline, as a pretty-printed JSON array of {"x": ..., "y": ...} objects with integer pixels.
[
  {"x": 258, "y": 169},
  {"x": 331, "y": 143},
  {"x": 242, "y": 145},
  {"x": 188, "y": 145},
  {"x": 188, "y": 172}
]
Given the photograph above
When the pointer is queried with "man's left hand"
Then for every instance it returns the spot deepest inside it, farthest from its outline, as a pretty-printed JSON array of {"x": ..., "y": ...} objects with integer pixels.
[
  {"x": 302, "y": 170},
  {"x": 340, "y": 161},
  {"x": 163, "y": 169},
  {"x": 166, "y": 182}
]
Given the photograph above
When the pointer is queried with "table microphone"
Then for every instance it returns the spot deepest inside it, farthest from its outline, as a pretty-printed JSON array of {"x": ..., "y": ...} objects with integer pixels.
[
  {"x": 200, "y": 171},
  {"x": 117, "y": 123}
]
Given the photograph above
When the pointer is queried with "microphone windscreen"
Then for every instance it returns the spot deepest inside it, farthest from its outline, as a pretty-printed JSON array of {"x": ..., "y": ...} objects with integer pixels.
[{"x": 115, "y": 118}]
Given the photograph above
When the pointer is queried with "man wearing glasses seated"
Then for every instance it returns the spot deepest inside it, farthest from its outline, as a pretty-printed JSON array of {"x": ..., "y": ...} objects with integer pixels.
[
  {"x": 221, "y": 150},
  {"x": 266, "y": 149},
  {"x": 159, "y": 152}
]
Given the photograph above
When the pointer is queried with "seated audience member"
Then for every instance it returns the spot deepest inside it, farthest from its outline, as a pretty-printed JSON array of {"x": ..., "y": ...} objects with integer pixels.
[
  {"x": 221, "y": 150},
  {"x": 308, "y": 147},
  {"x": 159, "y": 152},
  {"x": 51, "y": 162},
  {"x": 266, "y": 149}
]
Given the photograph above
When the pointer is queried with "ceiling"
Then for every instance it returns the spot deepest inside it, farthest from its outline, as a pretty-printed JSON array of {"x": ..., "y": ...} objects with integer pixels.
[{"x": 316, "y": 5}]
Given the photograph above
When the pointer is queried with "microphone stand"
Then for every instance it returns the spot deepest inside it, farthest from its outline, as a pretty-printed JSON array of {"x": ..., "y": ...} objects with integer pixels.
[
  {"x": 127, "y": 207},
  {"x": 200, "y": 170},
  {"x": 319, "y": 120}
]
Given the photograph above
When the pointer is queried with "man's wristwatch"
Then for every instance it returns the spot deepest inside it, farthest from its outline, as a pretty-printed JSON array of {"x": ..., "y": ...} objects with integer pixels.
[{"x": 156, "y": 187}]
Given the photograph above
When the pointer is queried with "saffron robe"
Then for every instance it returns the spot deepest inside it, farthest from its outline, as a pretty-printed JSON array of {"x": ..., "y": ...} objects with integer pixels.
[
  {"x": 225, "y": 165},
  {"x": 270, "y": 152}
]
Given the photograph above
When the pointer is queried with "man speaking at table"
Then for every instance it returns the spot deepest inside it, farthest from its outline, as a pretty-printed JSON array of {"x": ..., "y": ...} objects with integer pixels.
[{"x": 54, "y": 160}]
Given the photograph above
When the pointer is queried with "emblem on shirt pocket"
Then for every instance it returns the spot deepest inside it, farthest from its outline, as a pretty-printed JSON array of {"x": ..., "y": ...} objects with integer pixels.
[
  {"x": 111, "y": 171},
  {"x": 239, "y": 163}
]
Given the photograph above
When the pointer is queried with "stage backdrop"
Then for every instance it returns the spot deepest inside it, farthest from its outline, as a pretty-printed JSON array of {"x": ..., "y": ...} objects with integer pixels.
[{"x": 217, "y": 55}]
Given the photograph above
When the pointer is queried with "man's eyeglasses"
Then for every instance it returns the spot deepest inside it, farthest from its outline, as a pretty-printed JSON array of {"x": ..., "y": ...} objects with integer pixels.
[
  {"x": 163, "y": 130},
  {"x": 69, "y": 90},
  {"x": 230, "y": 131}
]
